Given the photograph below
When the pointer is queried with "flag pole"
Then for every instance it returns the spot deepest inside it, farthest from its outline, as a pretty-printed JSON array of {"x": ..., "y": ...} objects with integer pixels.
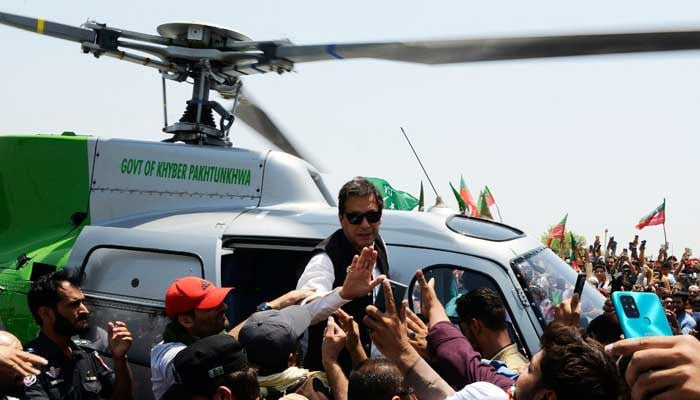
[
  {"x": 499, "y": 213},
  {"x": 419, "y": 162},
  {"x": 664, "y": 225}
]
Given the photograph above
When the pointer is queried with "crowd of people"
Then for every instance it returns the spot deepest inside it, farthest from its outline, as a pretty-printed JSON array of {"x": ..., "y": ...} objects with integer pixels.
[
  {"x": 326, "y": 339},
  {"x": 675, "y": 281}
]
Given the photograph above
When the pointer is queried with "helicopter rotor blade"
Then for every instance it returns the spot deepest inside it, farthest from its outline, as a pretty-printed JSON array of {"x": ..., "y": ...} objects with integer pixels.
[
  {"x": 53, "y": 29},
  {"x": 257, "y": 119},
  {"x": 474, "y": 50}
]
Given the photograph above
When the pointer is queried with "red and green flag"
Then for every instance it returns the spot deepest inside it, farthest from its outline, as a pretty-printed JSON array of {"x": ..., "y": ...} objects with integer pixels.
[
  {"x": 557, "y": 231},
  {"x": 484, "y": 211},
  {"x": 574, "y": 252},
  {"x": 489, "y": 197},
  {"x": 460, "y": 200},
  {"x": 394, "y": 199},
  {"x": 466, "y": 195},
  {"x": 656, "y": 217}
]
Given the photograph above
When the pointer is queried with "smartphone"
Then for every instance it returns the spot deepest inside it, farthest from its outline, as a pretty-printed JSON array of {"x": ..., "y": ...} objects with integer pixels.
[
  {"x": 641, "y": 314},
  {"x": 580, "y": 281},
  {"x": 397, "y": 289}
]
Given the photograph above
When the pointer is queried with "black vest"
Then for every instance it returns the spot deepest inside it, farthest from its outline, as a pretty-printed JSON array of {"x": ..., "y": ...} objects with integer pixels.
[{"x": 341, "y": 253}]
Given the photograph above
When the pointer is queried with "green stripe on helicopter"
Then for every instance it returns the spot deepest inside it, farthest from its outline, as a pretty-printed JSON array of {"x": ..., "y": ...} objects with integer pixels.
[{"x": 44, "y": 183}]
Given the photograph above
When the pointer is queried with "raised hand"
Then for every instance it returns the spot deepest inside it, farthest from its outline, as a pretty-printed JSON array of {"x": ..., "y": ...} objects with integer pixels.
[
  {"x": 333, "y": 342},
  {"x": 417, "y": 334},
  {"x": 430, "y": 305},
  {"x": 388, "y": 329},
  {"x": 569, "y": 311},
  {"x": 665, "y": 367},
  {"x": 358, "y": 280},
  {"x": 120, "y": 339}
]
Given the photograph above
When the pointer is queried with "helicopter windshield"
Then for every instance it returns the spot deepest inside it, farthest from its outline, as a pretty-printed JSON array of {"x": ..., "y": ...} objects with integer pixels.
[{"x": 547, "y": 281}]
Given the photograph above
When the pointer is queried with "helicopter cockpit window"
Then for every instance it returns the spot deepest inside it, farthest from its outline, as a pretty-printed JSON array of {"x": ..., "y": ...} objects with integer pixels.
[
  {"x": 547, "y": 280},
  {"x": 451, "y": 282},
  {"x": 482, "y": 229}
]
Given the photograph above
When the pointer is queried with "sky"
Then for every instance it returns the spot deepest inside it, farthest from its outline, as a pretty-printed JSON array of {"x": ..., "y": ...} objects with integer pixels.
[{"x": 602, "y": 138}]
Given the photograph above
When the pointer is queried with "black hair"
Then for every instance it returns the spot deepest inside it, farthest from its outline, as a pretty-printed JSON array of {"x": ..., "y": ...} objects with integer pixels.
[
  {"x": 485, "y": 305},
  {"x": 577, "y": 367},
  {"x": 682, "y": 295},
  {"x": 358, "y": 187},
  {"x": 243, "y": 384},
  {"x": 376, "y": 379},
  {"x": 44, "y": 291}
]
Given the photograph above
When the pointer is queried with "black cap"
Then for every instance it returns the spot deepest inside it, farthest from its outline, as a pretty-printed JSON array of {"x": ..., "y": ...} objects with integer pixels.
[
  {"x": 209, "y": 358},
  {"x": 270, "y": 336}
]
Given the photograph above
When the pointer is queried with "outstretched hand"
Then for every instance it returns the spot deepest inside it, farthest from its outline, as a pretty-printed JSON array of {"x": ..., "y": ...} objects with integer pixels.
[
  {"x": 290, "y": 298},
  {"x": 430, "y": 305},
  {"x": 358, "y": 280},
  {"x": 16, "y": 362}
]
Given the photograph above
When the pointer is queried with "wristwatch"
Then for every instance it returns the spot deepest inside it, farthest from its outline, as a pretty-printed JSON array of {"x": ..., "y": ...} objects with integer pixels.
[{"x": 264, "y": 306}]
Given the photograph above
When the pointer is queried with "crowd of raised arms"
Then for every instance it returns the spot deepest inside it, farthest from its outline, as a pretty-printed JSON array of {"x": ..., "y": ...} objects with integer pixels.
[{"x": 326, "y": 339}]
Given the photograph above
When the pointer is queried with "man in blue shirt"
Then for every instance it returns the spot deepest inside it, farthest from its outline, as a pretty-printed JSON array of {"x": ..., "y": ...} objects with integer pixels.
[{"x": 685, "y": 321}]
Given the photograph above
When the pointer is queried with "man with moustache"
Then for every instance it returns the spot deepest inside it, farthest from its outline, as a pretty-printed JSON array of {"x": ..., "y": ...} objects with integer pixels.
[{"x": 73, "y": 371}]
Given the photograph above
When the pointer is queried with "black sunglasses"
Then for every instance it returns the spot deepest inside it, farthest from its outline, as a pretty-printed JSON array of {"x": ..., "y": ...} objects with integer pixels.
[{"x": 356, "y": 218}]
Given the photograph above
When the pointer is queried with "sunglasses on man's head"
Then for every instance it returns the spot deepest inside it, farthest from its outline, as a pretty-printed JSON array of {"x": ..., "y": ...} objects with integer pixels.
[{"x": 356, "y": 218}]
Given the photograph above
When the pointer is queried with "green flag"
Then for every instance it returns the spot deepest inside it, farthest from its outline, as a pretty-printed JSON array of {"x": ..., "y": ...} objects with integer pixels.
[
  {"x": 394, "y": 199},
  {"x": 460, "y": 200},
  {"x": 421, "y": 198}
]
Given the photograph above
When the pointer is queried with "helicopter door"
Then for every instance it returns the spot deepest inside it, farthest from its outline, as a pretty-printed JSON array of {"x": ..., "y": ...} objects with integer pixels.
[{"x": 126, "y": 274}]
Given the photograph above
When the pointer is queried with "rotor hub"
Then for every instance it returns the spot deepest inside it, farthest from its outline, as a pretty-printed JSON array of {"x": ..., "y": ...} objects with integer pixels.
[{"x": 201, "y": 35}]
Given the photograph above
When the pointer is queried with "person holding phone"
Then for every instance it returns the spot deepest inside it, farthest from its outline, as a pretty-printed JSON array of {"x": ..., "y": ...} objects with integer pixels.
[
  {"x": 665, "y": 367},
  {"x": 360, "y": 208}
]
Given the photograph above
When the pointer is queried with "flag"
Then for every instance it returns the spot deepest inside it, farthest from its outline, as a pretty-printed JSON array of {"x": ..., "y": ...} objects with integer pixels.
[
  {"x": 394, "y": 199},
  {"x": 484, "y": 211},
  {"x": 574, "y": 252},
  {"x": 557, "y": 231},
  {"x": 460, "y": 200},
  {"x": 421, "y": 198},
  {"x": 489, "y": 197},
  {"x": 467, "y": 197},
  {"x": 656, "y": 217}
]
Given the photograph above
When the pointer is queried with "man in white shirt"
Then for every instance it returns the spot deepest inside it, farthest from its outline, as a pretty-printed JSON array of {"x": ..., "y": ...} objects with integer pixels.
[{"x": 359, "y": 211}]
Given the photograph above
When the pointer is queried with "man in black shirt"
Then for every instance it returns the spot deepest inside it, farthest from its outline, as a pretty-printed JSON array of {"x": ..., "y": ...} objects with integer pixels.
[{"x": 74, "y": 371}]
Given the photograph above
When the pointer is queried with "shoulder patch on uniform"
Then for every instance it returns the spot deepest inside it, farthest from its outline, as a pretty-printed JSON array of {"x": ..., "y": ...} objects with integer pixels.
[
  {"x": 53, "y": 372},
  {"x": 29, "y": 380}
]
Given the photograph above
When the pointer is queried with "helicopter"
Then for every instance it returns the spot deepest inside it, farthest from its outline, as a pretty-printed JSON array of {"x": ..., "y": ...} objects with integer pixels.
[{"x": 134, "y": 215}]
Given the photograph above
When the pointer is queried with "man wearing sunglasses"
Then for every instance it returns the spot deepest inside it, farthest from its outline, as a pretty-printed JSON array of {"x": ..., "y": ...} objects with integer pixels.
[{"x": 360, "y": 211}]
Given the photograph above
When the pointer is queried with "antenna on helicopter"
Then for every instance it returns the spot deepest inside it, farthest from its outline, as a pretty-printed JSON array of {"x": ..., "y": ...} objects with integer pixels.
[{"x": 439, "y": 203}]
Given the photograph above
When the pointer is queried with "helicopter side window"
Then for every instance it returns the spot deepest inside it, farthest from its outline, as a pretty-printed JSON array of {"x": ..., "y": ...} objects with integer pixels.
[
  {"x": 127, "y": 284},
  {"x": 260, "y": 272},
  {"x": 451, "y": 282}
]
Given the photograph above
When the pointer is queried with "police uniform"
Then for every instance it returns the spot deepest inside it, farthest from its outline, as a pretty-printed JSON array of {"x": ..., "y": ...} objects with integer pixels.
[{"x": 83, "y": 375}]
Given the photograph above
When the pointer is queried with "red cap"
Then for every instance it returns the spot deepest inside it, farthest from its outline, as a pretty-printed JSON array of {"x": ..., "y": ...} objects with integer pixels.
[{"x": 189, "y": 293}]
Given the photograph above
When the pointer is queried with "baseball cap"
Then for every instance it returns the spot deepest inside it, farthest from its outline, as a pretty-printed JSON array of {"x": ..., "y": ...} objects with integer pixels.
[
  {"x": 270, "y": 336},
  {"x": 207, "y": 359},
  {"x": 189, "y": 293}
]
